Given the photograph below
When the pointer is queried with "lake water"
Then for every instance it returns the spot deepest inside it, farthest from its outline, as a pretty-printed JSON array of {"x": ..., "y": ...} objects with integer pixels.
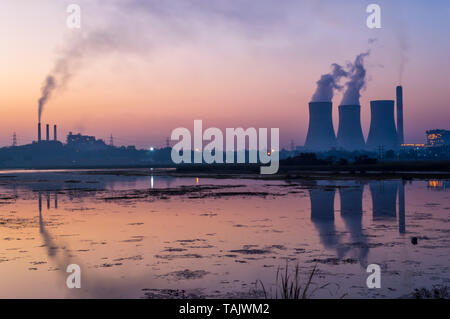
[{"x": 161, "y": 237}]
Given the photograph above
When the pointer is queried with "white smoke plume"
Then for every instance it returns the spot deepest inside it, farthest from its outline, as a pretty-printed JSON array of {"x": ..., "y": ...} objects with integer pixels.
[
  {"x": 328, "y": 83},
  {"x": 357, "y": 82}
]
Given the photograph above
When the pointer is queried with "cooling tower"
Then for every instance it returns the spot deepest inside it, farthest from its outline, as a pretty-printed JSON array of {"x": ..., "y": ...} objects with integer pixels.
[
  {"x": 321, "y": 136},
  {"x": 350, "y": 136},
  {"x": 382, "y": 126},
  {"x": 39, "y": 131},
  {"x": 401, "y": 138}
]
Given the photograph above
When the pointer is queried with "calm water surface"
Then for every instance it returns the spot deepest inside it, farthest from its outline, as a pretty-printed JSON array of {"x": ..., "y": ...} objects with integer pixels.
[{"x": 217, "y": 237}]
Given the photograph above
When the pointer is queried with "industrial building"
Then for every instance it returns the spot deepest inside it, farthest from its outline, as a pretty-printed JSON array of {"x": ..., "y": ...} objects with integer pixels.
[
  {"x": 385, "y": 132},
  {"x": 437, "y": 138}
]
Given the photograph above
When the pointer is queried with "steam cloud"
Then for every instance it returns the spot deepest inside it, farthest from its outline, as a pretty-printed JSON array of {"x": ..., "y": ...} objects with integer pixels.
[
  {"x": 328, "y": 83},
  {"x": 357, "y": 75},
  {"x": 141, "y": 26},
  {"x": 47, "y": 88},
  {"x": 71, "y": 58}
]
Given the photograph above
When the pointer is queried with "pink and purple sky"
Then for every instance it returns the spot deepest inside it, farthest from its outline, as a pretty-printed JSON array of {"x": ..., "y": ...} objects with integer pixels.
[{"x": 144, "y": 68}]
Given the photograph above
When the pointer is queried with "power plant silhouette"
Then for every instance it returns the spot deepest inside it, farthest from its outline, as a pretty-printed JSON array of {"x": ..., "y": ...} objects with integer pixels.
[{"x": 384, "y": 133}]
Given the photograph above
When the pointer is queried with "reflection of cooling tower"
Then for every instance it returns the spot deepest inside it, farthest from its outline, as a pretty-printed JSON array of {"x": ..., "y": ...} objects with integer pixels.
[
  {"x": 350, "y": 135},
  {"x": 384, "y": 198},
  {"x": 322, "y": 215},
  {"x": 352, "y": 214},
  {"x": 321, "y": 136},
  {"x": 382, "y": 127},
  {"x": 351, "y": 201}
]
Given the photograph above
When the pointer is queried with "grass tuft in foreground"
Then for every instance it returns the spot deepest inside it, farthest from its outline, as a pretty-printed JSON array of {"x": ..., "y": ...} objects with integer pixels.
[{"x": 288, "y": 285}]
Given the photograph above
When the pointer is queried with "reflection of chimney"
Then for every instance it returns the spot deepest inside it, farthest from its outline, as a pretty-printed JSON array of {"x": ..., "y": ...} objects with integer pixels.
[
  {"x": 401, "y": 138},
  {"x": 48, "y": 201},
  {"x": 401, "y": 209},
  {"x": 40, "y": 204},
  {"x": 55, "y": 138},
  {"x": 39, "y": 131},
  {"x": 47, "y": 133},
  {"x": 56, "y": 200}
]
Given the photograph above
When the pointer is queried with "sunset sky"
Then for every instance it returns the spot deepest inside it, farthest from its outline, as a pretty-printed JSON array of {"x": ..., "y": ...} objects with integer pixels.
[{"x": 148, "y": 67}]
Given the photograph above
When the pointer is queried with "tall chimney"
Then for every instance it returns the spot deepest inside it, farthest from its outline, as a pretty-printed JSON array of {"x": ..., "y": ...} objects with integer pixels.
[
  {"x": 48, "y": 134},
  {"x": 55, "y": 138},
  {"x": 39, "y": 131},
  {"x": 401, "y": 137}
]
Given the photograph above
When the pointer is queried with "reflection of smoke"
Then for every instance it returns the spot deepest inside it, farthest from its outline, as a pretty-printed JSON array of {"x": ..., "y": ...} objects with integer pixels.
[
  {"x": 328, "y": 83},
  {"x": 357, "y": 74},
  {"x": 49, "y": 243},
  {"x": 93, "y": 287}
]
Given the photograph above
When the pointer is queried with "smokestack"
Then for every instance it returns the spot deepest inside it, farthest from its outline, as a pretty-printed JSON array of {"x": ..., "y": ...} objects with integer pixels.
[
  {"x": 55, "y": 138},
  {"x": 321, "y": 136},
  {"x": 401, "y": 138},
  {"x": 47, "y": 136},
  {"x": 382, "y": 126},
  {"x": 39, "y": 131},
  {"x": 350, "y": 136}
]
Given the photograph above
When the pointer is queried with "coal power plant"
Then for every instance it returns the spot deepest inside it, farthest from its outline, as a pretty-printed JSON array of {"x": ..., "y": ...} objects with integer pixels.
[{"x": 384, "y": 134}]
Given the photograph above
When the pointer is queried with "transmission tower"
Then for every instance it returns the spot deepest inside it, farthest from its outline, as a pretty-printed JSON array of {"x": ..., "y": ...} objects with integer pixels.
[
  {"x": 167, "y": 143},
  {"x": 381, "y": 152},
  {"x": 111, "y": 141},
  {"x": 14, "y": 139}
]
